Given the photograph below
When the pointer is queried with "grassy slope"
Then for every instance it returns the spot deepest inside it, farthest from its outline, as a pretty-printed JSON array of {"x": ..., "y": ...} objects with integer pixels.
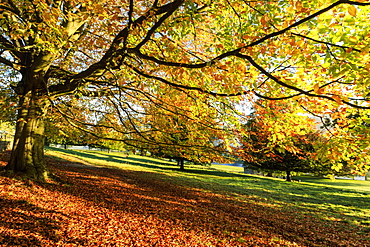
[
  {"x": 203, "y": 206},
  {"x": 333, "y": 200}
]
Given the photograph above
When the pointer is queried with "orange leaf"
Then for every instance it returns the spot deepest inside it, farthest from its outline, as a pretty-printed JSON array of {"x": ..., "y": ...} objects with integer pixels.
[
  {"x": 352, "y": 10},
  {"x": 337, "y": 99},
  {"x": 316, "y": 88},
  {"x": 264, "y": 20},
  {"x": 321, "y": 91}
]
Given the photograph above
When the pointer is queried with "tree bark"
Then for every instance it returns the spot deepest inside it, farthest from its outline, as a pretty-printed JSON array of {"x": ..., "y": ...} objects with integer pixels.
[
  {"x": 27, "y": 157},
  {"x": 288, "y": 176},
  {"x": 181, "y": 164}
]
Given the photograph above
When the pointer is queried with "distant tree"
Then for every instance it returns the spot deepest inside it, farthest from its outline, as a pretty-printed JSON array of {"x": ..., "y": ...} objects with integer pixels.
[
  {"x": 282, "y": 160},
  {"x": 289, "y": 143},
  {"x": 176, "y": 136},
  {"x": 58, "y": 131}
]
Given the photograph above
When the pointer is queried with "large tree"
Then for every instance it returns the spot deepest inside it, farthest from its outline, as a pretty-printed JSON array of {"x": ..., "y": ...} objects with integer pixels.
[
  {"x": 285, "y": 136},
  {"x": 186, "y": 139},
  {"x": 259, "y": 152},
  {"x": 120, "y": 56}
]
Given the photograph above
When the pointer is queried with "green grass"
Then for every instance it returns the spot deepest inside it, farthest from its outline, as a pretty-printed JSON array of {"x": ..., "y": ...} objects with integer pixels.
[
  {"x": 338, "y": 200},
  {"x": 345, "y": 184}
]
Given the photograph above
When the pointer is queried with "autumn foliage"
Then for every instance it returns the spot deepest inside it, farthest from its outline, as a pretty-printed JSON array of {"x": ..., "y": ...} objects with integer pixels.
[{"x": 122, "y": 63}]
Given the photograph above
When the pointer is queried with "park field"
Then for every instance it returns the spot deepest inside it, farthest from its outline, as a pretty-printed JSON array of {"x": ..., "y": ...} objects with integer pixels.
[{"x": 109, "y": 199}]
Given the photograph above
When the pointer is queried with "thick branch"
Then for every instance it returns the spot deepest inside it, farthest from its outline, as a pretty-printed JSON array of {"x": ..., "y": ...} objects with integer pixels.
[
  {"x": 308, "y": 93},
  {"x": 154, "y": 28},
  {"x": 295, "y": 95},
  {"x": 236, "y": 51},
  {"x": 184, "y": 86},
  {"x": 13, "y": 8},
  {"x": 7, "y": 45},
  {"x": 355, "y": 3},
  {"x": 6, "y": 62},
  {"x": 115, "y": 49}
]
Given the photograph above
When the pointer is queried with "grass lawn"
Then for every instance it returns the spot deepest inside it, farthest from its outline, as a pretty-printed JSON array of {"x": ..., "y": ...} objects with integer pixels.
[{"x": 202, "y": 206}]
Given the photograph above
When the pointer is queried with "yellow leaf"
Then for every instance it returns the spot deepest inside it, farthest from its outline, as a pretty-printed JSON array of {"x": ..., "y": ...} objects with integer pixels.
[
  {"x": 296, "y": 98},
  {"x": 22, "y": 120},
  {"x": 299, "y": 42},
  {"x": 290, "y": 9},
  {"x": 352, "y": 10},
  {"x": 353, "y": 39}
]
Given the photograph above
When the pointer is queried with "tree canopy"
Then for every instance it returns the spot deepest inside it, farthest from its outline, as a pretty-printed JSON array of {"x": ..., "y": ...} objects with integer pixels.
[
  {"x": 196, "y": 60},
  {"x": 274, "y": 146}
]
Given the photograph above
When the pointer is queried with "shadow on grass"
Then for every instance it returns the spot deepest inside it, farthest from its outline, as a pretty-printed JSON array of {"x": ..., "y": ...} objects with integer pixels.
[
  {"x": 147, "y": 162},
  {"x": 339, "y": 203},
  {"x": 336, "y": 201},
  {"x": 154, "y": 200},
  {"x": 109, "y": 157},
  {"x": 278, "y": 190},
  {"x": 149, "y": 195},
  {"x": 342, "y": 184}
]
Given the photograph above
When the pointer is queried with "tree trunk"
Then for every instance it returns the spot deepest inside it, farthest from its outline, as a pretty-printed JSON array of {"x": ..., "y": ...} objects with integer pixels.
[
  {"x": 288, "y": 176},
  {"x": 181, "y": 164},
  {"x": 27, "y": 157}
]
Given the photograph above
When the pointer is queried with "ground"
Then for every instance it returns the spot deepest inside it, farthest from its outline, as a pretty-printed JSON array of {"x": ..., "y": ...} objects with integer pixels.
[{"x": 105, "y": 206}]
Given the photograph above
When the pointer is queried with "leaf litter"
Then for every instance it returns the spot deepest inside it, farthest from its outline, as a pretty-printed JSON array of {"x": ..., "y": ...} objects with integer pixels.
[{"x": 111, "y": 207}]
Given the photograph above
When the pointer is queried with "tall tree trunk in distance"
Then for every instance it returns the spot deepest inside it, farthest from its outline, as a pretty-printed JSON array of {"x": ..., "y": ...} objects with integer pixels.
[
  {"x": 27, "y": 155},
  {"x": 288, "y": 176},
  {"x": 180, "y": 162}
]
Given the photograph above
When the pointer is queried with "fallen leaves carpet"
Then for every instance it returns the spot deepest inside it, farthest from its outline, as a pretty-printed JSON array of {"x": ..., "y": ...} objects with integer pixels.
[{"x": 111, "y": 207}]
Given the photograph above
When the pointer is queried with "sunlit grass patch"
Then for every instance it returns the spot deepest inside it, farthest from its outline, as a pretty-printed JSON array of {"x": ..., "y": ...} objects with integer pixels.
[
  {"x": 343, "y": 184},
  {"x": 333, "y": 203}
]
